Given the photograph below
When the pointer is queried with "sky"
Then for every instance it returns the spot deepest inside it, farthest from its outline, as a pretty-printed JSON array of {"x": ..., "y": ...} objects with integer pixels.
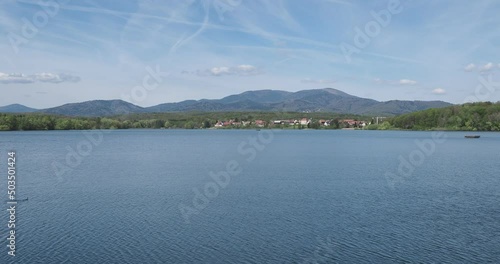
[{"x": 149, "y": 52}]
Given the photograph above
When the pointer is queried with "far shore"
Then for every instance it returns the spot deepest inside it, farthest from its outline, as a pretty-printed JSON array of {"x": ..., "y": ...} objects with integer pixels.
[{"x": 257, "y": 129}]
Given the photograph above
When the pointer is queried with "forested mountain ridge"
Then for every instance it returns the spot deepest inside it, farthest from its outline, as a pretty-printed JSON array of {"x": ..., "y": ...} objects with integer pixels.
[{"x": 316, "y": 100}]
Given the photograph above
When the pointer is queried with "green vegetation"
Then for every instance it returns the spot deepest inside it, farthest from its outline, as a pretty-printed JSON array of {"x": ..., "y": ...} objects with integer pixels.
[
  {"x": 187, "y": 120},
  {"x": 468, "y": 117},
  {"x": 483, "y": 116}
]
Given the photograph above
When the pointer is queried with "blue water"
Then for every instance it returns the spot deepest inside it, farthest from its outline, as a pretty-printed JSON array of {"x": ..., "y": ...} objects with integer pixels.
[{"x": 292, "y": 197}]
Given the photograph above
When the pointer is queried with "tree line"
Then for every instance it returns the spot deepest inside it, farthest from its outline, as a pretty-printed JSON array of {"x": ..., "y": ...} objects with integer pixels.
[
  {"x": 482, "y": 116},
  {"x": 186, "y": 120}
]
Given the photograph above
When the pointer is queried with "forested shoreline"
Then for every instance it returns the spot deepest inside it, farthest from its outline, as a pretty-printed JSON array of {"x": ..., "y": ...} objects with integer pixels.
[
  {"x": 181, "y": 120},
  {"x": 484, "y": 116}
]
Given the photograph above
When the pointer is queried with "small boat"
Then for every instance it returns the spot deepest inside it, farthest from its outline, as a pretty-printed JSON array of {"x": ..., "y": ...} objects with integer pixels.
[{"x": 472, "y": 136}]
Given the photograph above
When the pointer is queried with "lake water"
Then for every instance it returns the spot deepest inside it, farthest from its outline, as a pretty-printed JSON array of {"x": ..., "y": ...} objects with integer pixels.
[{"x": 283, "y": 197}]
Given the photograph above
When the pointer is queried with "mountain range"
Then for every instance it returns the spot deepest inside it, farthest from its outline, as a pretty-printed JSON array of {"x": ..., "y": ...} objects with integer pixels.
[{"x": 316, "y": 100}]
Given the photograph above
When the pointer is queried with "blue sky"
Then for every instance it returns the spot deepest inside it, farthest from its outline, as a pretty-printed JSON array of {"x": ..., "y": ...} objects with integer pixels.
[{"x": 71, "y": 51}]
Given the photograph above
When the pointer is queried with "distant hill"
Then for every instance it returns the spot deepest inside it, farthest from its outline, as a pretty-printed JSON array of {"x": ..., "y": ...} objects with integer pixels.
[
  {"x": 261, "y": 96},
  {"x": 324, "y": 100},
  {"x": 210, "y": 106},
  {"x": 95, "y": 108},
  {"x": 16, "y": 108},
  {"x": 316, "y": 100}
]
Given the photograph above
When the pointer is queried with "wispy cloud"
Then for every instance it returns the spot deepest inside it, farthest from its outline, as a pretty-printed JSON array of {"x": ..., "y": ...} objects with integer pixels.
[
  {"x": 439, "y": 91},
  {"x": 482, "y": 69},
  {"x": 111, "y": 42},
  {"x": 487, "y": 67},
  {"x": 395, "y": 82},
  {"x": 470, "y": 67},
  {"x": 37, "y": 77},
  {"x": 240, "y": 70},
  {"x": 407, "y": 82},
  {"x": 339, "y": 2}
]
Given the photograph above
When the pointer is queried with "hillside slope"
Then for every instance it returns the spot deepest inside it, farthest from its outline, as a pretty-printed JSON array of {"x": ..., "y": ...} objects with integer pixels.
[{"x": 483, "y": 116}]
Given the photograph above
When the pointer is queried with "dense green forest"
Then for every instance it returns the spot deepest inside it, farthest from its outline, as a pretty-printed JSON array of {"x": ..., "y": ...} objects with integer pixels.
[
  {"x": 484, "y": 116},
  {"x": 189, "y": 120}
]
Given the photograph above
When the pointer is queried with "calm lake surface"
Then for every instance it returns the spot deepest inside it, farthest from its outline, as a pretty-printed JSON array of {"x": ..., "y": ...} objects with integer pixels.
[{"x": 292, "y": 197}]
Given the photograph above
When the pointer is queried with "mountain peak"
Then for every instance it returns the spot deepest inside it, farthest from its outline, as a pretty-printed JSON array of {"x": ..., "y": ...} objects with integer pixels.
[
  {"x": 16, "y": 108},
  {"x": 336, "y": 92},
  {"x": 96, "y": 108}
]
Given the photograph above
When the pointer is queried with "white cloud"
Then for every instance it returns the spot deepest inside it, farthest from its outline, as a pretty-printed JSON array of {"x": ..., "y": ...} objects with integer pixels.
[
  {"x": 56, "y": 78},
  {"x": 407, "y": 82},
  {"x": 219, "y": 71},
  {"x": 470, "y": 67},
  {"x": 320, "y": 81},
  {"x": 245, "y": 68},
  {"x": 37, "y": 77},
  {"x": 240, "y": 70},
  {"x": 339, "y": 2},
  {"x": 395, "y": 82},
  {"x": 439, "y": 91},
  {"x": 15, "y": 78},
  {"x": 488, "y": 66}
]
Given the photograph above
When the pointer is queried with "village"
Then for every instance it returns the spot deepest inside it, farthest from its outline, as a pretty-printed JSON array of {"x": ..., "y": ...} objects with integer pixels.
[{"x": 299, "y": 123}]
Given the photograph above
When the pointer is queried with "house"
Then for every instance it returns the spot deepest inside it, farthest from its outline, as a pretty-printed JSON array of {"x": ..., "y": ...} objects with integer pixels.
[
  {"x": 260, "y": 123},
  {"x": 350, "y": 122},
  {"x": 353, "y": 123},
  {"x": 219, "y": 124},
  {"x": 305, "y": 121},
  {"x": 283, "y": 122}
]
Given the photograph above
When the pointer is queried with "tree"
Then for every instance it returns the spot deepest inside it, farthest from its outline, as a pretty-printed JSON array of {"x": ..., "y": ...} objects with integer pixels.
[
  {"x": 314, "y": 125},
  {"x": 190, "y": 125}
]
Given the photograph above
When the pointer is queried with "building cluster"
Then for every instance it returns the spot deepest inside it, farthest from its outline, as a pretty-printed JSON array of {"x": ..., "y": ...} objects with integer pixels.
[
  {"x": 292, "y": 122},
  {"x": 353, "y": 123},
  {"x": 344, "y": 123},
  {"x": 321, "y": 122},
  {"x": 259, "y": 123}
]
